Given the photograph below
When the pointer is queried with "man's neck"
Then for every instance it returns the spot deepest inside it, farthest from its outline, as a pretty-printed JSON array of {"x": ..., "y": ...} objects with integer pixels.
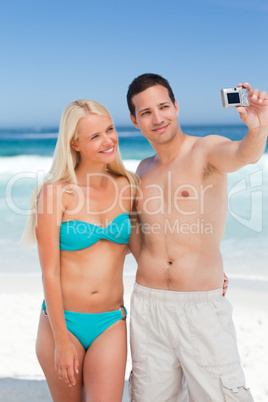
[{"x": 167, "y": 152}]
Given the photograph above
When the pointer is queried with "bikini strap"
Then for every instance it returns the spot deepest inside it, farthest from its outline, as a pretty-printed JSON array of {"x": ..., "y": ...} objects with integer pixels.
[{"x": 124, "y": 312}]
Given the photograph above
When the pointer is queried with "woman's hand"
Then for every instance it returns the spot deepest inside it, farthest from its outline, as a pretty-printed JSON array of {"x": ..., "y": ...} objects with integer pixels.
[{"x": 66, "y": 362}]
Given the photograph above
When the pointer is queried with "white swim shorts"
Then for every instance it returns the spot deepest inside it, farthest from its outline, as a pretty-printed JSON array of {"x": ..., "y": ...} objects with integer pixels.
[{"x": 180, "y": 338}]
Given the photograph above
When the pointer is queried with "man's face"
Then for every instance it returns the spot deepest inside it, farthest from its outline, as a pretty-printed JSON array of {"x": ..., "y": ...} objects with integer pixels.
[{"x": 155, "y": 115}]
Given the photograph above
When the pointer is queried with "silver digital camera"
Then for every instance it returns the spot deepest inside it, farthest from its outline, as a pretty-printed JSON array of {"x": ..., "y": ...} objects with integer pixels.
[{"x": 233, "y": 97}]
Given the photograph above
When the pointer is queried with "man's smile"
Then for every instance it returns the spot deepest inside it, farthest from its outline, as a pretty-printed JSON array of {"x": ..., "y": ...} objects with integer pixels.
[{"x": 160, "y": 129}]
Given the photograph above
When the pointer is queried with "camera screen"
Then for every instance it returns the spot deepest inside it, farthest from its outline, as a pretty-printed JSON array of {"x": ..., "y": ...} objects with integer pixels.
[{"x": 233, "y": 98}]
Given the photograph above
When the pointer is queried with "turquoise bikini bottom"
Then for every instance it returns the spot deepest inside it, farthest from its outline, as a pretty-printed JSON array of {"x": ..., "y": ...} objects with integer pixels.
[{"x": 87, "y": 327}]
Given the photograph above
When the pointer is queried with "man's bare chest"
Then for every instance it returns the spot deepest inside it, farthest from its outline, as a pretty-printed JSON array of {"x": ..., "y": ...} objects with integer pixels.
[{"x": 183, "y": 192}]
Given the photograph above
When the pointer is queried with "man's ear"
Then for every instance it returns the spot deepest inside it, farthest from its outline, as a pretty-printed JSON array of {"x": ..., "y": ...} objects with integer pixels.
[
  {"x": 134, "y": 121},
  {"x": 75, "y": 146},
  {"x": 176, "y": 107}
]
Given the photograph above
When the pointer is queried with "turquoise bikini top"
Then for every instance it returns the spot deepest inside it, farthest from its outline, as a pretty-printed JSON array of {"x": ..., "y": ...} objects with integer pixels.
[{"x": 77, "y": 235}]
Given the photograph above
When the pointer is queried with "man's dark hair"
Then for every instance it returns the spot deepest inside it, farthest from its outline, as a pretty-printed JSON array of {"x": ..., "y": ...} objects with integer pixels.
[{"x": 143, "y": 82}]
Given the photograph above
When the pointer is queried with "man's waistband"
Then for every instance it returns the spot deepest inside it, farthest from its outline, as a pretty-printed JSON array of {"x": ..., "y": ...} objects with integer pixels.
[{"x": 174, "y": 295}]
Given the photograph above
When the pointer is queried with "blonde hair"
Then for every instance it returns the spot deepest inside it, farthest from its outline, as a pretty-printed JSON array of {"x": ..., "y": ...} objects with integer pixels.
[{"x": 66, "y": 159}]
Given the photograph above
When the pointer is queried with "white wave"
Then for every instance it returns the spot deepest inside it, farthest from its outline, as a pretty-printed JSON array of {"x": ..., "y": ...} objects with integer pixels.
[
  {"x": 24, "y": 163},
  {"x": 131, "y": 164}
]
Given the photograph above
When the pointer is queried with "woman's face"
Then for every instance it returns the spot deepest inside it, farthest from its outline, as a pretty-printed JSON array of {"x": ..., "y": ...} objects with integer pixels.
[{"x": 97, "y": 139}]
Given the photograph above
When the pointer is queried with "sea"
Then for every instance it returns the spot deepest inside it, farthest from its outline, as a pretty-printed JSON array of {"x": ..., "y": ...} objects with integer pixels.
[{"x": 26, "y": 155}]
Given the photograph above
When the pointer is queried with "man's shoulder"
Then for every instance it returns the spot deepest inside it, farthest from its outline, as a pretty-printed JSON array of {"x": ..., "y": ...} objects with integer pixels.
[{"x": 143, "y": 165}]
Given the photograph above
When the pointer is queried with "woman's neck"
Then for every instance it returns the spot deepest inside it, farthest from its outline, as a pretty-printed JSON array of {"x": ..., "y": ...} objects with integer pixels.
[{"x": 91, "y": 175}]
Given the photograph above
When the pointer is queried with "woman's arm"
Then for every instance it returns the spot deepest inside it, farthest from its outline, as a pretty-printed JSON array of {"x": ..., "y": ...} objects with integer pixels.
[
  {"x": 135, "y": 241},
  {"x": 49, "y": 217}
]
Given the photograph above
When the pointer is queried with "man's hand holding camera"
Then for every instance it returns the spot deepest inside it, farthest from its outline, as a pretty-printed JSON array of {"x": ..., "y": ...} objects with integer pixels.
[
  {"x": 256, "y": 115},
  {"x": 252, "y": 105}
]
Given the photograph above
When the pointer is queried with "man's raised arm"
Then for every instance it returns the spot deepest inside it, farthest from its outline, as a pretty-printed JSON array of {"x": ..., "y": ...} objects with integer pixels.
[{"x": 228, "y": 156}]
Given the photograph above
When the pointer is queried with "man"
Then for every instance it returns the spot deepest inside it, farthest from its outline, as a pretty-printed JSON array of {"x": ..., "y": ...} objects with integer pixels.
[{"x": 181, "y": 325}]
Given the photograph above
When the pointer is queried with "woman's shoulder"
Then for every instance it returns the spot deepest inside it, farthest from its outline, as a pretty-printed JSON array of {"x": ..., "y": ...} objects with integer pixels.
[{"x": 56, "y": 189}]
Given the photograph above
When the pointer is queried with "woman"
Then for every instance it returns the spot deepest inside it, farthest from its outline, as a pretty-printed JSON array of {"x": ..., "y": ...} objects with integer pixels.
[{"x": 82, "y": 228}]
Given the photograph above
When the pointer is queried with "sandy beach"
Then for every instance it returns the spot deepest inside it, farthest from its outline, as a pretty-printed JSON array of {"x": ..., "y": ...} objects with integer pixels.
[{"x": 22, "y": 380}]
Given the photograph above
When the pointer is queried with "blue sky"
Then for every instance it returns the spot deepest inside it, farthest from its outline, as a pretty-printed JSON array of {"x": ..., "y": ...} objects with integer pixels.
[{"x": 54, "y": 52}]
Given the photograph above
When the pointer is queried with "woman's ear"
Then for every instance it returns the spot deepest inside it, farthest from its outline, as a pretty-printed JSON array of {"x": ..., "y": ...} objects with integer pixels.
[{"x": 74, "y": 145}]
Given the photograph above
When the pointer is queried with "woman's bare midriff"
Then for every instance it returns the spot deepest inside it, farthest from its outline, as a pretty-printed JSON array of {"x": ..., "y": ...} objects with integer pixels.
[{"x": 91, "y": 279}]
